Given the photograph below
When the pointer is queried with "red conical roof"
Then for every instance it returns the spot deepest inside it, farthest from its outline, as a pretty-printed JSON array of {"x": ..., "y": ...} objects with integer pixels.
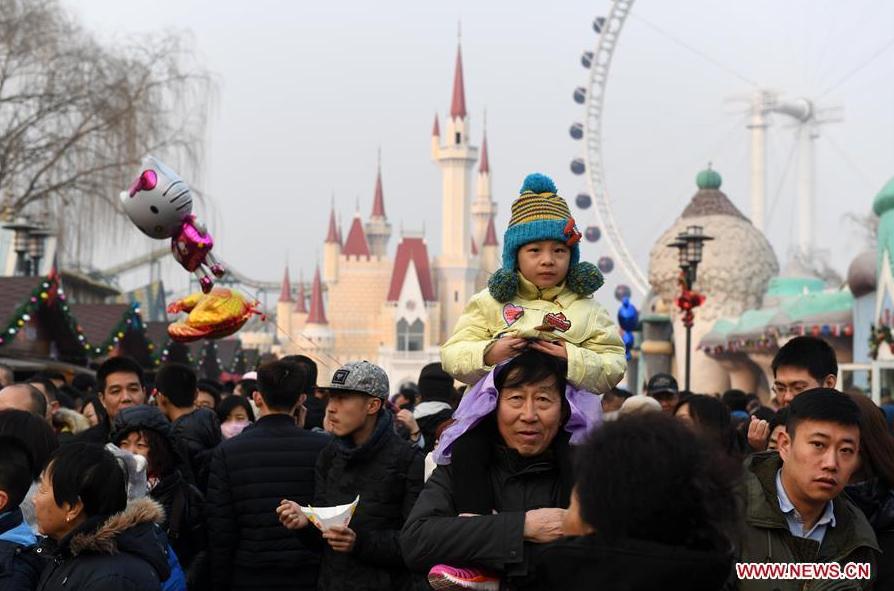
[
  {"x": 317, "y": 314},
  {"x": 301, "y": 300},
  {"x": 356, "y": 244},
  {"x": 490, "y": 236},
  {"x": 378, "y": 198},
  {"x": 333, "y": 235},
  {"x": 285, "y": 292},
  {"x": 436, "y": 128},
  {"x": 458, "y": 104},
  {"x": 484, "y": 164},
  {"x": 474, "y": 248}
]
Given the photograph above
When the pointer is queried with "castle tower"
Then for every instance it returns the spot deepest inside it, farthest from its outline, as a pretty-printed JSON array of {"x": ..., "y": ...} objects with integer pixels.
[
  {"x": 491, "y": 257},
  {"x": 378, "y": 230},
  {"x": 456, "y": 157},
  {"x": 317, "y": 334},
  {"x": 331, "y": 249},
  {"x": 483, "y": 207},
  {"x": 299, "y": 312},
  {"x": 284, "y": 307}
]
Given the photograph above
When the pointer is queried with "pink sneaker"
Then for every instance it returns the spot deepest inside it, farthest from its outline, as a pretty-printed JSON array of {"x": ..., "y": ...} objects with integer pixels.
[{"x": 449, "y": 578}]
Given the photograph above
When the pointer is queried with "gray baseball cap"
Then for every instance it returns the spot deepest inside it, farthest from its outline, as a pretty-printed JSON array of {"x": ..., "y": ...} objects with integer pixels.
[{"x": 360, "y": 376}]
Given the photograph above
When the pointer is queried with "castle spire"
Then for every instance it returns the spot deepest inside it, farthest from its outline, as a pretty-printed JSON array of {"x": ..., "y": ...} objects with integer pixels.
[
  {"x": 285, "y": 291},
  {"x": 334, "y": 235},
  {"x": 484, "y": 163},
  {"x": 301, "y": 300},
  {"x": 436, "y": 128},
  {"x": 378, "y": 210},
  {"x": 458, "y": 104},
  {"x": 317, "y": 314},
  {"x": 490, "y": 237}
]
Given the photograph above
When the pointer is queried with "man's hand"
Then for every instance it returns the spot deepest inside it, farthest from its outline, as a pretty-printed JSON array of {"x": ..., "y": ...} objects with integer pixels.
[
  {"x": 758, "y": 434},
  {"x": 554, "y": 348},
  {"x": 505, "y": 348},
  {"x": 544, "y": 525},
  {"x": 290, "y": 515},
  {"x": 405, "y": 418},
  {"x": 341, "y": 539}
]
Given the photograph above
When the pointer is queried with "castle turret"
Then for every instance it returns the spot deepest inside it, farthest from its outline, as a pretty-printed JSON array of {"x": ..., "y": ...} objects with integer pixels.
[
  {"x": 483, "y": 207},
  {"x": 378, "y": 230},
  {"x": 284, "y": 307},
  {"x": 331, "y": 250},
  {"x": 490, "y": 249}
]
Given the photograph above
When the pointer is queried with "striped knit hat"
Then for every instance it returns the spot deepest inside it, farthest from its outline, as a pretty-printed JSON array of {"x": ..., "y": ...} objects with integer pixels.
[{"x": 539, "y": 213}]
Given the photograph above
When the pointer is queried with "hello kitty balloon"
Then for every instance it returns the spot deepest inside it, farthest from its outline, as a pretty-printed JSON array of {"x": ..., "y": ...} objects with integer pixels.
[{"x": 159, "y": 202}]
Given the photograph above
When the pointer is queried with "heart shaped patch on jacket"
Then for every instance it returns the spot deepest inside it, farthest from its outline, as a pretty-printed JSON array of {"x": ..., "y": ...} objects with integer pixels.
[
  {"x": 511, "y": 313},
  {"x": 555, "y": 322}
]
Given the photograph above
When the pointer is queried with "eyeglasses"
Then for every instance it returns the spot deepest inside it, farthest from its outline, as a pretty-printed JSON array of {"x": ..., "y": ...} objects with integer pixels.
[{"x": 795, "y": 389}]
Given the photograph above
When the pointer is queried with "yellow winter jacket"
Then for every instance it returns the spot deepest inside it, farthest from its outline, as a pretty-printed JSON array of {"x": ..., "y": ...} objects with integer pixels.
[{"x": 596, "y": 357}]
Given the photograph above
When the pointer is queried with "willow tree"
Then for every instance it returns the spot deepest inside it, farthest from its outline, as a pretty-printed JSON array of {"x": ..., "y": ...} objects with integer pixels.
[{"x": 76, "y": 117}]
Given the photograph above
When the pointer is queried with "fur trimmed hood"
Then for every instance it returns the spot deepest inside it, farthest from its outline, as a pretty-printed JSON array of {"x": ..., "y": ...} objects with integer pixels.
[{"x": 106, "y": 539}]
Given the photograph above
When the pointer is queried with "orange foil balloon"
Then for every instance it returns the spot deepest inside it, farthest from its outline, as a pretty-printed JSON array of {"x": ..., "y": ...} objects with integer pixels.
[{"x": 214, "y": 315}]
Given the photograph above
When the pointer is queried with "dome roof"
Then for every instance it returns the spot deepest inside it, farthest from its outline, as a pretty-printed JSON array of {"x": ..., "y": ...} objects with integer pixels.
[
  {"x": 861, "y": 273},
  {"x": 708, "y": 179}
]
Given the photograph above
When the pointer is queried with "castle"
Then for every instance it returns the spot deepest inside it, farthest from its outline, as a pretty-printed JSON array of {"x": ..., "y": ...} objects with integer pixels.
[{"x": 396, "y": 311}]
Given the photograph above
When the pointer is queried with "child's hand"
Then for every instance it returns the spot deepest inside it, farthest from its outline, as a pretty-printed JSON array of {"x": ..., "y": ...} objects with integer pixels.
[
  {"x": 554, "y": 348},
  {"x": 505, "y": 348}
]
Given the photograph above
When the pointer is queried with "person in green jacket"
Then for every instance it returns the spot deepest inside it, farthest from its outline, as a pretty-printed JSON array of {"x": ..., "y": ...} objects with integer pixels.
[{"x": 795, "y": 511}]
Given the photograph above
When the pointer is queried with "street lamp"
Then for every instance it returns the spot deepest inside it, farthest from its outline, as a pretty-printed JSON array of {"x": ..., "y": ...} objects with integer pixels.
[
  {"x": 22, "y": 228},
  {"x": 37, "y": 247},
  {"x": 689, "y": 245}
]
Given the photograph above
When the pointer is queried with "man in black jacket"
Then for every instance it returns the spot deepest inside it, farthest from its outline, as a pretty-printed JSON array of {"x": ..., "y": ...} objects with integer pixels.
[
  {"x": 269, "y": 461},
  {"x": 196, "y": 431},
  {"x": 366, "y": 458}
]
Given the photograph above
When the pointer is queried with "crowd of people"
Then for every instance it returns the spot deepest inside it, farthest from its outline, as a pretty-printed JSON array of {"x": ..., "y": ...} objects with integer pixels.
[{"x": 538, "y": 473}]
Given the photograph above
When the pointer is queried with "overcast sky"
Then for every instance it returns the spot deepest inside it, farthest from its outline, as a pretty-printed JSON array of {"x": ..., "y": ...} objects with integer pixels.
[{"x": 308, "y": 91}]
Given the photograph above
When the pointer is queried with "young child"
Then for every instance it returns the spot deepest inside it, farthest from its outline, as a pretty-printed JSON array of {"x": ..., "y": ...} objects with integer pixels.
[
  {"x": 540, "y": 299},
  {"x": 19, "y": 566}
]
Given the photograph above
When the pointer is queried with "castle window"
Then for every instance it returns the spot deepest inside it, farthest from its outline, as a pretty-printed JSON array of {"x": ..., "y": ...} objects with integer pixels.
[
  {"x": 458, "y": 138},
  {"x": 455, "y": 296},
  {"x": 410, "y": 337}
]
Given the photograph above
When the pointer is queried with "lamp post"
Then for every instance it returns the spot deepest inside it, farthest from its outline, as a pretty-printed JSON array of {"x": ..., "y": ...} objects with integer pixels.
[
  {"x": 37, "y": 247},
  {"x": 22, "y": 228},
  {"x": 689, "y": 245}
]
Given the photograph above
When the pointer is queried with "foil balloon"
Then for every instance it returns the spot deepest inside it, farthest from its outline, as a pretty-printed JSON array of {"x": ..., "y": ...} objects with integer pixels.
[
  {"x": 214, "y": 315},
  {"x": 159, "y": 203},
  {"x": 628, "y": 318}
]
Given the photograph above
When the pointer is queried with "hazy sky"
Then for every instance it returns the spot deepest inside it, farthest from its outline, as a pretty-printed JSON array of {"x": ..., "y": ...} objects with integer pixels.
[{"x": 310, "y": 90}]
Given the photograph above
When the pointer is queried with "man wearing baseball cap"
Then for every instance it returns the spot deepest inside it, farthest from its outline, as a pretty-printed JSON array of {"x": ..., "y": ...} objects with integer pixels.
[
  {"x": 663, "y": 388},
  {"x": 366, "y": 458}
]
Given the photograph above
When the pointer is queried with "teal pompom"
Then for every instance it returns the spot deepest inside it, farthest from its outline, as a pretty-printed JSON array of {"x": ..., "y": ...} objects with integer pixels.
[
  {"x": 503, "y": 285},
  {"x": 584, "y": 279},
  {"x": 538, "y": 183}
]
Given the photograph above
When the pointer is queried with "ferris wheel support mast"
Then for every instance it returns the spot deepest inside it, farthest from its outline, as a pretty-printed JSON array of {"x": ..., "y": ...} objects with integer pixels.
[{"x": 599, "y": 68}]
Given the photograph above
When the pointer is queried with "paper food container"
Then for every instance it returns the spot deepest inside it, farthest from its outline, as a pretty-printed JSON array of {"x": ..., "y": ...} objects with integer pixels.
[{"x": 326, "y": 517}]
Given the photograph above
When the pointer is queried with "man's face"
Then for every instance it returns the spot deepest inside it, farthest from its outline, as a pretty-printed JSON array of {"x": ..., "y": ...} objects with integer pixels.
[
  {"x": 544, "y": 263},
  {"x": 123, "y": 389},
  {"x": 528, "y": 416},
  {"x": 204, "y": 400},
  {"x": 348, "y": 411},
  {"x": 791, "y": 381},
  {"x": 668, "y": 400},
  {"x": 819, "y": 459}
]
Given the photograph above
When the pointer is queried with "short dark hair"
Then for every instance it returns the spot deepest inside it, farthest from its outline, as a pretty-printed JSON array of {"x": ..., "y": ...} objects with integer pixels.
[
  {"x": 812, "y": 354},
  {"x": 99, "y": 408},
  {"x": 619, "y": 393},
  {"x": 227, "y": 405},
  {"x": 211, "y": 387},
  {"x": 178, "y": 384},
  {"x": 531, "y": 367},
  {"x": 822, "y": 404},
  {"x": 779, "y": 419},
  {"x": 735, "y": 400},
  {"x": 34, "y": 432},
  {"x": 85, "y": 383},
  {"x": 648, "y": 477},
  {"x": 310, "y": 366},
  {"x": 248, "y": 386},
  {"x": 50, "y": 374},
  {"x": 281, "y": 383},
  {"x": 51, "y": 390},
  {"x": 16, "y": 469},
  {"x": 119, "y": 364},
  {"x": 91, "y": 474},
  {"x": 712, "y": 417}
]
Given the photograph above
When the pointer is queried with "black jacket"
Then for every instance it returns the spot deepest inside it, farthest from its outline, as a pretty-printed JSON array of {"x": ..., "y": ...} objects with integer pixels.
[
  {"x": 184, "y": 521},
  {"x": 877, "y": 503},
  {"x": 250, "y": 474},
  {"x": 590, "y": 563},
  {"x": 198, "y": 434},
  {"x": 435, "y": 534},
  {"x": 124, "y": 552},
  {"x": 20, "y": 566},
  {"x": 387, "y": 473}
]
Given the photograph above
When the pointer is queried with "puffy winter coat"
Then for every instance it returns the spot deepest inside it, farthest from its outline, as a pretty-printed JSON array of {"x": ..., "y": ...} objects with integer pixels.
[
  {"x": 184, "y": 521},
  {"x": 124, "y": 552},
  {"x": 596, "y": 357},
  {"x": 876, "y": 500},
  {"x": 198, "y": 434},
  {"x": 434, "y": 533},
  {"x": 387, "y": 473},
  {"x": 250, "y": 474},
  {"x": 20, "y": 566}
]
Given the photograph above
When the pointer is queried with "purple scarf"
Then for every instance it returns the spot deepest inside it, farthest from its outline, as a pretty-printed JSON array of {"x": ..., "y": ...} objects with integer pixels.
[{"x": 481, "y": 400}]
